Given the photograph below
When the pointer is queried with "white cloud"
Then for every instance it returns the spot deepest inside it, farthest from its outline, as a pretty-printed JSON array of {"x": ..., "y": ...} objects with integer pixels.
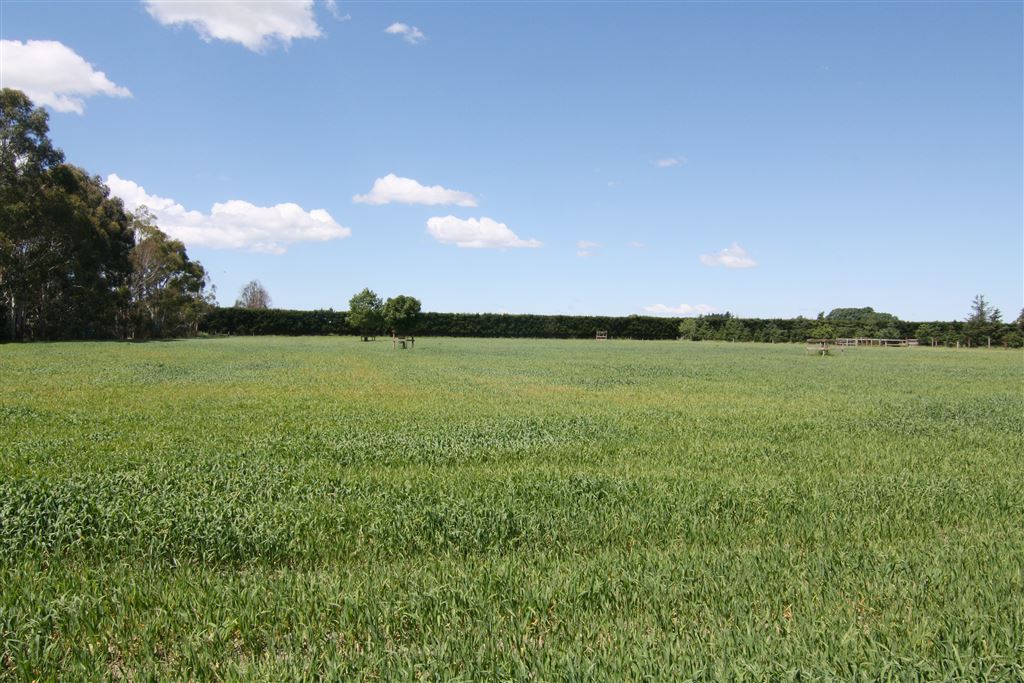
[
  {"x": 636, "y": 245},
  {"x": 410, "y": 34},
  {"x": 234, "y": 224},
  {"x": 473, "y": 233},
  {"x": 730, "y": 257},
  {"x": 681, "y": 309},
  {"x": 587, "y": 248},
  {"x": 253, "y": 23},
  {"x": 332, "y": 7},
  {"x": 669, "y": 162},
  {"x": 392, "y": 188},
  {"x": 52, "y": 74}
]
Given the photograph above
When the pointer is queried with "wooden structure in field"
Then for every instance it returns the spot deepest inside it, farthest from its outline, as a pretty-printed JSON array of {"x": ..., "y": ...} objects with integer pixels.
[
  {"x": 602, "y": 335},
  {"x": 404, "y": 342},
  {"x": 869, "y": 341},
  {"x": 823, "y": 347}
]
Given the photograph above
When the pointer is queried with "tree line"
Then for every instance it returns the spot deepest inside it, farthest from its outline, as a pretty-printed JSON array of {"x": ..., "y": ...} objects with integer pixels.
[
  {"x": 721, "y": 327},
  {"x": 74, "y": 264}
]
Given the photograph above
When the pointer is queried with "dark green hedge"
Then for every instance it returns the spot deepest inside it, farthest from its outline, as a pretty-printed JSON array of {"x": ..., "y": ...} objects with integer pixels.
[
  {"x": 246, "y": 321},
  {"x": 240, "y": 321},
  {"x": 243, "y": 321}
]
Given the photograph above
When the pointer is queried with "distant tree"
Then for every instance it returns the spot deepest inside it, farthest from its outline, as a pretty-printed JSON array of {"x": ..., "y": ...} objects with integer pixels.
[
  {"x": 366, "y": 313},
  {"x": 770, "y": 333},
  {"x": 925, "y": 333},
  {"x": 984, "y": 322},
  {"x": 982, "y": 311},
  {"x": 859, "y": 315},
  {"x": 823, "y": 331},
  {"x": 863, "y": 322},
  {"x": 1020, "y": 320},
  {"x": 401, "y": 313},
  {"x": 166, "y": 291},
  {"x": 254, "y": 295},
  {"x": 734, "y": 330},
  {"x": 688, "y": 328}
]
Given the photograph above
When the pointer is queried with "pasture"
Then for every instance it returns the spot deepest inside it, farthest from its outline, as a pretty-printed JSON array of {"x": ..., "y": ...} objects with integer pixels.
[{"x": 282, "y": 509}]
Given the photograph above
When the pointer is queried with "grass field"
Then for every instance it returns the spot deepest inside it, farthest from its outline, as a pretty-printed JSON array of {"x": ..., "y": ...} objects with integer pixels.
[{"x": 279, "y": 509}]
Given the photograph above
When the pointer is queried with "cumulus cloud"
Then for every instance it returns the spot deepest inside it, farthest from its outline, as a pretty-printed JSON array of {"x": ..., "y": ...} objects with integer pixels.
[
  {"x": 410, "y": 34},
  {"x": 730, "y": 257},
  {"x": 234, "y": 224},
  {"x": 53, "y": 74},
  {"x": 255, "y": 24},
  {"x": 681, "y": 309},
  {"x": 392, "y": 188},
  {"x": 473, "y": 233},
  {"x": 669, "y": 162}
]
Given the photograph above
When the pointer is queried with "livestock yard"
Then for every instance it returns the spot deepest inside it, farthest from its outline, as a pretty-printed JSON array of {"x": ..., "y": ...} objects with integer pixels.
[{"x": 286, "y": 508}]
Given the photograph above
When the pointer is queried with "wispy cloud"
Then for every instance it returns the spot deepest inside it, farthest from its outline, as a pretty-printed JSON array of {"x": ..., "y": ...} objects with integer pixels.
[
  {"x": 410, "y": 34},
  {"x": 681, "y": 309},
  {"x": 332, "y": 7},
  {"x": 234, "y": 224},
  {"x": 636, "y": 245},
  {"x": 394, "y": 189},
  {"x": 255, "y": 25},
  {"x": 730, "y": 257},
  {"x": 52, "y": 74},
  {"x": 586, "y": 248},
  {"x": 669, "y": 162},
  {"x": 475, "y": 233}
]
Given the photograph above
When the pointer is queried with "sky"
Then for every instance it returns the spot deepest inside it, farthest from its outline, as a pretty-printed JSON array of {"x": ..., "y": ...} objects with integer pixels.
[{"x": 766, "y": 159}]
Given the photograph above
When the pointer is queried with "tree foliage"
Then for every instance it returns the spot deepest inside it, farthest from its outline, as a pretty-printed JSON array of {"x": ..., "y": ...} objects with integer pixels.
[
  {"x": 366, "y": 313},
  {"x": 401, "y": 314},
  {"x": 67, "y": 247},
  {"x": 166, "y": 291},
  {"x": 253, "y": 295},
  {"x": 709, "y": 327}
]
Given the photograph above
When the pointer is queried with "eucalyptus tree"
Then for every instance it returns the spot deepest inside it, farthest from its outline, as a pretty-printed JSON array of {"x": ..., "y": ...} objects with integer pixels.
[{"x": 167, "y": 291}]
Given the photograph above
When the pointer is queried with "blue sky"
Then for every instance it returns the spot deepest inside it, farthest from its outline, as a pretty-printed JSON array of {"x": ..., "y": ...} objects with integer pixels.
[{"x": 769, "y": 159}]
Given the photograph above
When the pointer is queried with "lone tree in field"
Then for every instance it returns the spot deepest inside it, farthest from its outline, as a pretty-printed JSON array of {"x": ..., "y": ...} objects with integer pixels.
[
  {"x": 253, "y": 295},
  {"x": 366, "y": 313},
  {"x": 401, "y": 313}
]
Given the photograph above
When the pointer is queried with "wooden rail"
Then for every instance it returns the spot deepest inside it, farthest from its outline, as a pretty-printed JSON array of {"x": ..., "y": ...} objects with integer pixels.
[{"x": 871, "y": 341}]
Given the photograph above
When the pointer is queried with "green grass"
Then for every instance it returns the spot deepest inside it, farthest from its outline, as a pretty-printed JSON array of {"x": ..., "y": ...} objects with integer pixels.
[{"x": 279, "y": 509}]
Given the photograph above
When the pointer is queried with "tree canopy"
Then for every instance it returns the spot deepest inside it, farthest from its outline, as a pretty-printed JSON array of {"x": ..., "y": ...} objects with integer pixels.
[
  {"x": 366, "y": 313},
  {"x": 253, "y": 295},
  {"x": 166, "y": 291},
  {"x": 401, "y": 314},
  {"x": 73, "y": 262}
]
